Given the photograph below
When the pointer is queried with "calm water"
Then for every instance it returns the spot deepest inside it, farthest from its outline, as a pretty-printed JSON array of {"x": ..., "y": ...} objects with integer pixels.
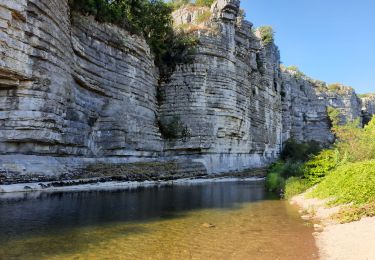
[{"x": 167, "y": 222}]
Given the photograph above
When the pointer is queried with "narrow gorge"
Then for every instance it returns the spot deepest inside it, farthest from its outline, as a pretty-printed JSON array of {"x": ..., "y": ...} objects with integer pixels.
[{"x": 79, "y": 98}]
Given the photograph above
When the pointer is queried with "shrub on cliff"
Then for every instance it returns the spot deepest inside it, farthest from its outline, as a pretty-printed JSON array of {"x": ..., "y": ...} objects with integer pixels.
[
  {"x": 334, "y": 116},
  {"x": 266, "y": 34},
  {"x": 297, "y": 73},
  {"x": 176, "y": 4},
  {"x": 204, "y": 2},
  {"x": 149, "y": 18}
]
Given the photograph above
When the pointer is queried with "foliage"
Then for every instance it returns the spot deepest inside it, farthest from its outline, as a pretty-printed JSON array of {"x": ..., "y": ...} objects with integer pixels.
[
  {"x": 339, "y": 88},
  {"x": 203, "y": 17},
  {"x": 176, "y": 4},
  {"x": 297, "y": 72},
  {"x": 267, "y": 34},
  {"x": 334, "y": 116},
  {"x": 320, "y": 165},
  {"x": 150, "y": 18},
  {"x": 344, "y": 174},
  {"x": 356, "y": 143},
  {"x": 349, "y": 183},
  {"x": 295, "y": 186},
  {"x": 173, "y": 128},
  {"x": 295, "y": 151},
  {"x": 181, "y": 47},
  {"x": 279, "y": 172},
  {"x": 204, "y": 2},
  {"x": 274, "y": 182},
  {"x": 368, "y": 95}
]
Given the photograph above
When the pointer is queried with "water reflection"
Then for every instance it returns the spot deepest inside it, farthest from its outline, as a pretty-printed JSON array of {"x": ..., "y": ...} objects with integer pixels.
[
  {"x": 50, "y": 211},
  {"x": 163, "y": 222}
]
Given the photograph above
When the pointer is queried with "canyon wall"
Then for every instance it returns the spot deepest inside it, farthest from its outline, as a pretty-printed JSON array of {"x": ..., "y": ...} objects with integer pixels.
[
  {"x": 368, "y": 107},
  {"x": 75, "y": 94},
  {"x": 229, "y": 96}
]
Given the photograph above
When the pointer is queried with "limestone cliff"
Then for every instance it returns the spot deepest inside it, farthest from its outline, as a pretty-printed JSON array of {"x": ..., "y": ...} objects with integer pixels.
[
  {"x": 75, "y": 94},
  {"x": 304, "y": 111},
  {"x": 368, "y": 107},
  {"x": 229, "y": 97}
]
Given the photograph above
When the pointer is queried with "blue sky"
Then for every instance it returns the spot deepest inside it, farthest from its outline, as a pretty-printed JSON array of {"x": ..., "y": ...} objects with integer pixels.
[{"x": 330, "y": 40}]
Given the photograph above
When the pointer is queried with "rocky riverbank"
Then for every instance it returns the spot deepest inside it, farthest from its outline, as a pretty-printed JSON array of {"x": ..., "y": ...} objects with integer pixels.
[
  {"x": 353, "y": 240},
  {"x": 127, "y": 176}
]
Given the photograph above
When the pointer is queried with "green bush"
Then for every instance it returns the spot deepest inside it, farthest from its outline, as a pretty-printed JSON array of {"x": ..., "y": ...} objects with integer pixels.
[
  {"x": 320, "y": 165},
  {"x": 349, "y": 183},
  {"x": 274, "y": 182},
  {"x": 355, "y": 143},
  {"x": 176, "y": 4},
  {"x": 297, "y": 72},
  {"x": 149, "y": 18},
  {"x": 279, "y": 172},
  {"x": 334, "y": 116},
  {"x": 204, "y": 2},
  {"x": 203, "y": 17},
  {"x": 295, "y": 186},
  {"x": 295, "y": 151},
  {"x": 267, "y": 34}
]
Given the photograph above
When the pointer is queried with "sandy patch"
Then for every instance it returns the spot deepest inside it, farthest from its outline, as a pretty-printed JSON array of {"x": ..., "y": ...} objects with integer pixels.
[{"x": 354, "y": 241}]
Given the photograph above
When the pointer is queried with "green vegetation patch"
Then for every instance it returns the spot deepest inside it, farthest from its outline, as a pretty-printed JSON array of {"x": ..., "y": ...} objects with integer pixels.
[
  {"x": 176, "y": 4},
  {"x": 267, "y": 34},
  {"x": 295, "y": 186},
  {"x": 297, "y": 72},
  {"x": 368, "y": 95},
  {"x": 320, "y": 165},
  {"x": 204, "y": 17},
  {"x": 349, "y": 183},
  {"x": 151, "y": 19}
]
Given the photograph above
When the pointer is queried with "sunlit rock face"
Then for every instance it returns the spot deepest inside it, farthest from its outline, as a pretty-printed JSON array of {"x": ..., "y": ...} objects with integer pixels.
[
  {"x": 73, "y": 86},
  {"x": 304, "y": 111},
  {"x": 75, "y": 93},
  {"x": 345, "y": 100},
  {"x": 229, "y": 96}
]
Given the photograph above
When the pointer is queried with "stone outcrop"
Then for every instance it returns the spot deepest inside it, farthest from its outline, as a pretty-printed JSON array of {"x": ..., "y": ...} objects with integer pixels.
[
  {"x": 75, "y": 94},
  {"x": 368, "y": 107},
  {"x": 229, "y": 97},
  {"x": 304, "y": 111},
  {"x": 344, "y": 99}
]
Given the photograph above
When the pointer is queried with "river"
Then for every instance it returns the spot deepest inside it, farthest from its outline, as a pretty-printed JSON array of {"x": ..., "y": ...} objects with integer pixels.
[{"x": 209, "y": 220}]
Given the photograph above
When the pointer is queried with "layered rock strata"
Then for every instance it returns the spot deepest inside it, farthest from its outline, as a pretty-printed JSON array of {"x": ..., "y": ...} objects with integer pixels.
[
  {"x": 75, "y": 94},
  {"x": 229, "y": 97}
]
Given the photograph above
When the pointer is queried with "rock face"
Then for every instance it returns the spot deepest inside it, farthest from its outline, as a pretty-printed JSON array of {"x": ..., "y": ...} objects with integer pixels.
[
  {"x": 74, "y": 87},
  {"x": 368, "y": 107},
  {"x": 229, "y": 97},
  {"x": 304, "y": 111},
  {"x": 343, "y": 99},
  {"x": 75, "y": 93}
]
